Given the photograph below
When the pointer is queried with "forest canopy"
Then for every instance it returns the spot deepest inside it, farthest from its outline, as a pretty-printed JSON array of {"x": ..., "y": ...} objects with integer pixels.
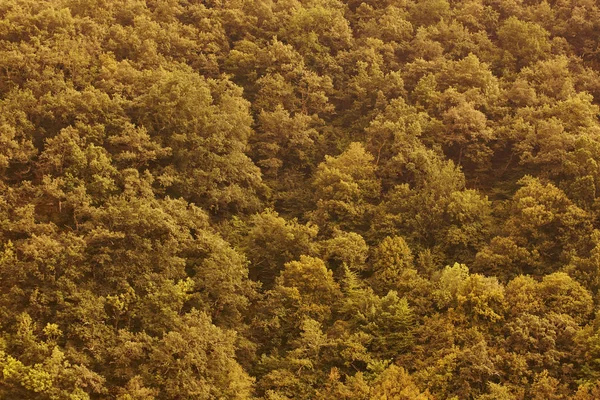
[{"x": 299, "y": 199}]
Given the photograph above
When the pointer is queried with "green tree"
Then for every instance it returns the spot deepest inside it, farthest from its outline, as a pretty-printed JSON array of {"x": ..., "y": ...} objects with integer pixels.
[
  {"x": 524, "y": 42},
  {"x": 272, "y": 241},
  {"x": 345, "y": 186}
]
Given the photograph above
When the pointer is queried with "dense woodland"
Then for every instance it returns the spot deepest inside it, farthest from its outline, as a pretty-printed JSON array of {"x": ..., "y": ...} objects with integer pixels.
[{"x": 299, "y": 199}]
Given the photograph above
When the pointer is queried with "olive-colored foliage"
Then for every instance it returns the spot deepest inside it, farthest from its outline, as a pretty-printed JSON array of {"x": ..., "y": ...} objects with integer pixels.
[
  {"x": 345, "y": 187},
  {"x": 544, "y": 228},
  {"x": 271, "y": 241},
  {"x": 345, "y": 249},
  {"x": 523, "y": 42},
  {"x": 299, "y": 199},
  {"x": 434, "y": 210},
  {"x": 396, "y": 383}
]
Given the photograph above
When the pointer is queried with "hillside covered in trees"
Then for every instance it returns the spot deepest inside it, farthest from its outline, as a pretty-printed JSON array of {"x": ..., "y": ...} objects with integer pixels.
[{"x": 299, "y": 199}]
